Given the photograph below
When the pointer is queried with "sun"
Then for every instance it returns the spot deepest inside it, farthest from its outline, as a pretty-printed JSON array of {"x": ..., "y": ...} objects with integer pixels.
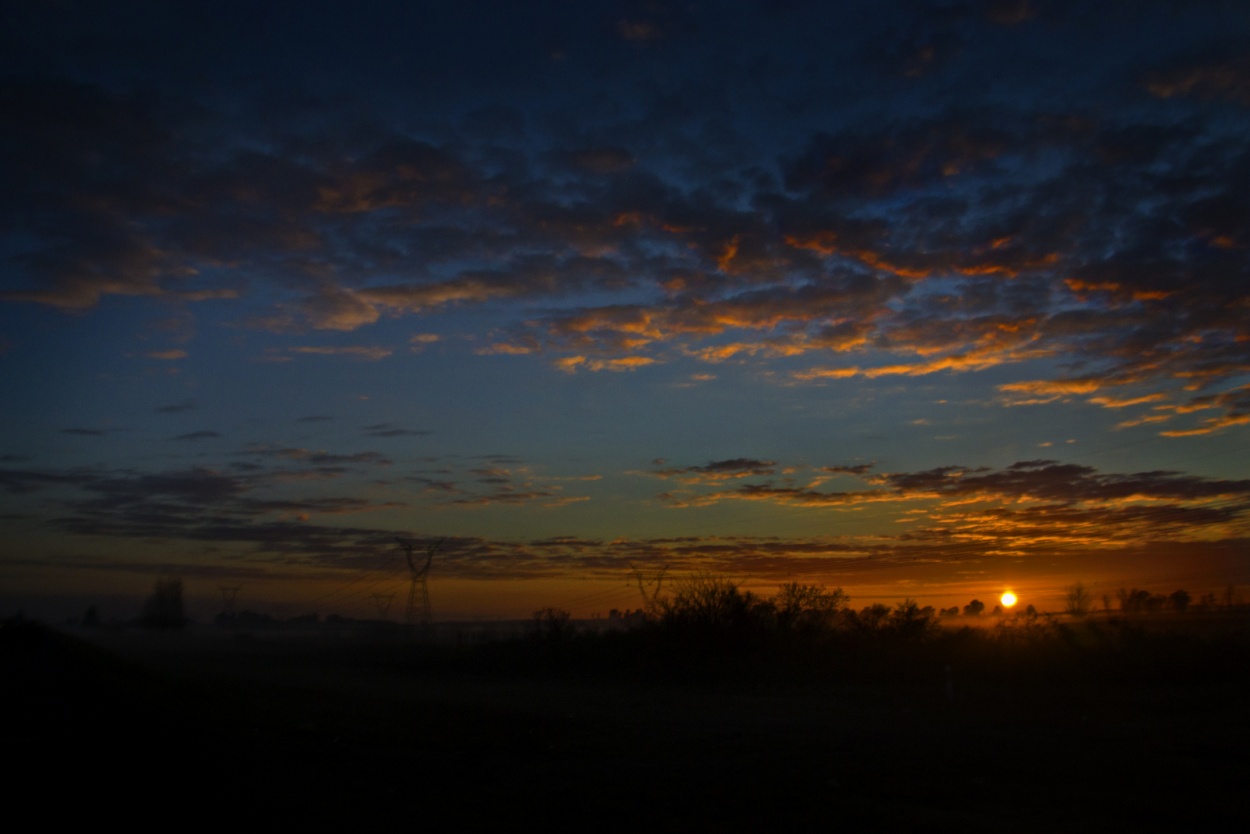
[{"x": 1008, "y": 599}]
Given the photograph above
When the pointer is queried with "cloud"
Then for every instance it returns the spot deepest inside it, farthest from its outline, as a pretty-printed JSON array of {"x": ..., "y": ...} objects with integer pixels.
[
  {"x": 27, "y": 481},
  {"x": 1224, "y": 79},
  {"x": 1101, "y": 225},
  {"x": 1210, "y": 426},
  {"x": 849, "y": 165},
  {"x": 305, "y": 508},
  {"x": 198, "y": 435},
  {"x": 571, "y": 364},
  {"x": 338, "y": 309},
  {"x": 402, "y": 173},
  {"x": 202, "y": 487},
  {"x": 604, "y": 160},
  {"x": 716, "y": 471},
  {"x": 857, "y": 469},
  {"x": 957, "y": 513},
  {"x": 388, "y": 430},
  {"x": 1125, "y": 402},
  {"x": 1020, "y": 505},
  {"x": 420, "y": 341},
  {"x": 177, "y": 408},
  {"x": 373, "y": 353},
  {"x": 1040, "y": 391},
  {"x": 319, "y": 457}
]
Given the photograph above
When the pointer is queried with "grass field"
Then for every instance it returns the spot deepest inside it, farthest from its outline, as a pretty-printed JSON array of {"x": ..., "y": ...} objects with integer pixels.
[{"x": 1109, "y": 727}]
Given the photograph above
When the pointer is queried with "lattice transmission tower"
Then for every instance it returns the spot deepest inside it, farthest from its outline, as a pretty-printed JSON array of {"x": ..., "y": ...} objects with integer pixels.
[
  {"x": 229, "y": 593},
  {"x": 419, "y": 612},
  {"x": 649, "y": 583},
  {"x": 383, "y": 601}
]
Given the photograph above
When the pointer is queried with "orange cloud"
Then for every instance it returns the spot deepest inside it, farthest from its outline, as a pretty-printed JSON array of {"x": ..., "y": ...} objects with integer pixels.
[
  {"x": 1085, "y": 289},
  {"x": 731, "y": 251},
  {"x": 1041, "y": 391},
  {"x": 570, "y": 364},
  {"x": 1115, "y": 402},
  {"x": 339, "y": 309},
  {"x": 505, "y": 349},
  {"x": 357, "y": 351},
  {"x": 1211, "y": 426},
  {"x": 826, "y": 373},
  {"x": 822, "y": 242}
]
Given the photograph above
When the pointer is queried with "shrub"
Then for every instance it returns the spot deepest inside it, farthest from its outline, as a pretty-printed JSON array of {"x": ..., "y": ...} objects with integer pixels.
[
  {"x": 163, "y": 609},
  {"x": 552, "y": 624}
]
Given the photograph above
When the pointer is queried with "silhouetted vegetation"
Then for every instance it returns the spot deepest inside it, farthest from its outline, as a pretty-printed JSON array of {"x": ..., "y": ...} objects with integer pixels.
[
  {"x": 552, "y": 624},
  {"x": 164, "y": 610},
  {"x": 825, "y": 710},
  {"x": 91, "y": 619},
  {"x": 1077, "y": 600},
  {"x": 709, "y": 627}
]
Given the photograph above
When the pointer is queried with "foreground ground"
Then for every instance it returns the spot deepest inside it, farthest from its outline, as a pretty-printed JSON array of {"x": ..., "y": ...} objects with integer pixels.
[{"x": 164, "y": 729}]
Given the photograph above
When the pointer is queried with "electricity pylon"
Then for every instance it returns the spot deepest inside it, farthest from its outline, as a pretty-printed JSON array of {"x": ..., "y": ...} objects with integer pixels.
[
  {"x": 383, "y": 601},
  {"x": 419, "y": 591},
  {"x": 228, "y": 595},
  {"x": 649, "y": 586}
]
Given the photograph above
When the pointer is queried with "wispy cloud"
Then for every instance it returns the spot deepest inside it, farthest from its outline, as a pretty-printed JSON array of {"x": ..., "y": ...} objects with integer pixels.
[
  {"x": 198, "y": 435},
  {"x": 388, "y": 430},
  {"x": 717, "y": 471},
  {"x": 177, "y": 408}
]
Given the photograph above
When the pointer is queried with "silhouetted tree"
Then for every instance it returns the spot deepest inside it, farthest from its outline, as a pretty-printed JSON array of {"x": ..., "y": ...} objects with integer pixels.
[
  {"x": 1138, "y": 601},
  {"x": 974, "y": 608},
  {"x": 799, "y": 607},
  {"x": 712, "y": 603},
  {"x": 552, "y": 623},
  {"x": 1179, "y": 600},
  {"x": 92, "y": 618},
  {"x": 872, "y": 617},
  {"x": 908, "y": 619},
  {"x": 1077, "y": 600},
  {"x": 164, "y": 608}
]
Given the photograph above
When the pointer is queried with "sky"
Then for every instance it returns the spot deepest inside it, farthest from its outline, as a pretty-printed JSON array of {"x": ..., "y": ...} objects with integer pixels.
[{"x": 918, "y": 299}]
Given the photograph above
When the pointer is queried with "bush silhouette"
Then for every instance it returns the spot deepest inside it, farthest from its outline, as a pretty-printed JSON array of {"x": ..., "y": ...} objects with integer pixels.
[
  {"x": 807, "y": 608},
  {"x": 163, "y": 610},
  {"x": 552, "y": 624},
  {"x": 1077, "y": 600},
  {"x": 713, "y": 604}
]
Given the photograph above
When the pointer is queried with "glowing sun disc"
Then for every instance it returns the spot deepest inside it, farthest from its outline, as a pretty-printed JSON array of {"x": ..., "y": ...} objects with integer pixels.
[{"x": 1008, "y": 599}]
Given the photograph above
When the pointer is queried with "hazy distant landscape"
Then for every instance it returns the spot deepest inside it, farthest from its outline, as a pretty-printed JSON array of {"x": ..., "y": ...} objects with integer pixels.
[{"x": 1031, "y": 723}]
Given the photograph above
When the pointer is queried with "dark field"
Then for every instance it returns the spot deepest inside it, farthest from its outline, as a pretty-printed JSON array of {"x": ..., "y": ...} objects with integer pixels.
[{"x": 1087, "y": 727}]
